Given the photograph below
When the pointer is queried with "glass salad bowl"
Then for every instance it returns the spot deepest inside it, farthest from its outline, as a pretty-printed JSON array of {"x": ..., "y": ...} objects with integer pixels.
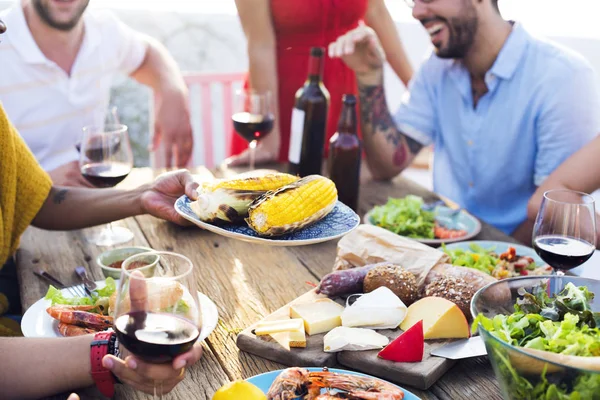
[{"x": 525, "y": 368}]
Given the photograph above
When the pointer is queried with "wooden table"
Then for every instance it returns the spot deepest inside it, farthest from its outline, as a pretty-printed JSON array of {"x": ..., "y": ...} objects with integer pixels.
[{"x": 245, "y": 281}]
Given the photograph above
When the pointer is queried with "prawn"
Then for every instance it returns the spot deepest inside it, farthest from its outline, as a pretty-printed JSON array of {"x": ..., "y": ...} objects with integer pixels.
[
  {"x": 76, "y": 315},
  {"x": 357, "y": 387},
  {"x": 291, "y": 384},
  {"x": 73, "y": 330}
]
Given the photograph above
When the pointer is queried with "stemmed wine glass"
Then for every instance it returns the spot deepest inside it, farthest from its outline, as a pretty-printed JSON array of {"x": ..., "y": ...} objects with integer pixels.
[
  {"x": 105, "y": 159},
  {"x": 157, "y": 313},
  {"x": 564, "y": 234},
  {"x": 253, "y": 117}
]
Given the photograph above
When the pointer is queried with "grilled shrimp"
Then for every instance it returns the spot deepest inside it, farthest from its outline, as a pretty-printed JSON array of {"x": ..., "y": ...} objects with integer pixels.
[
  {"x": 291, "y": 384},
  {"x": 357, "y": 387},
  {"x": 75, "y": 315},
  {"x": 73, "y": 330}
]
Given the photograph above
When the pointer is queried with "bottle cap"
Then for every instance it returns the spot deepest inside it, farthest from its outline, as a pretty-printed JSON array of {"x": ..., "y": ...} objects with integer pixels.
[{"x": 317, "y": 51}]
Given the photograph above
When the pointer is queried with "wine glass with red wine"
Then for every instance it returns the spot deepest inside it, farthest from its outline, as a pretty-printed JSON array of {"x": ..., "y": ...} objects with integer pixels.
[
  {"x": 253, "y": 117},
  {"x": 564, "y": 234},
  {"x": 164, "y": 319},
  {"x": 105, "y": 159}
]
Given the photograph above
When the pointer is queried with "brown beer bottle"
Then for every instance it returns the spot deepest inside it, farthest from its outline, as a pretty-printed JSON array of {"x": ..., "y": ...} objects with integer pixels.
[
  {"x": 309, "y": 120},
  {"x": 345, "y": 150}
]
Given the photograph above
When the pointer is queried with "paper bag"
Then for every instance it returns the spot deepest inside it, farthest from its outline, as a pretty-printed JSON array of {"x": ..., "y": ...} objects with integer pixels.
[{"x": 370, "y": 244}]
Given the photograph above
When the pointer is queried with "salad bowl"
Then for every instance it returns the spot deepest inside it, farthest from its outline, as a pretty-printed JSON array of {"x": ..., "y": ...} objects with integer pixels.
[{"x": 545, "y": 347}]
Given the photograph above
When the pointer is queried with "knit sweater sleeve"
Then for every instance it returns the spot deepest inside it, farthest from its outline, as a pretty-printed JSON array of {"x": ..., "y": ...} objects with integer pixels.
[{"x": 24, "y": 187}]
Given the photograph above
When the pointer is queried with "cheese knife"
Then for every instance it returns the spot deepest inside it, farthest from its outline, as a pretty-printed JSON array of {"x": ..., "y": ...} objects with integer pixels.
[{"x": 465, "y": 348}]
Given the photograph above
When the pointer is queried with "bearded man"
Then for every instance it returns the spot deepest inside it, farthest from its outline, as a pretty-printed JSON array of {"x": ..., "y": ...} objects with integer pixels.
[
  {"x": 59, "y": 60},
  {"x": 502, "y": 108}
]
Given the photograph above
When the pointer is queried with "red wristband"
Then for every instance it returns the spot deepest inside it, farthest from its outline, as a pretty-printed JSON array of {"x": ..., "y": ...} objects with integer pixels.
[{"x": 103, "y": 378}]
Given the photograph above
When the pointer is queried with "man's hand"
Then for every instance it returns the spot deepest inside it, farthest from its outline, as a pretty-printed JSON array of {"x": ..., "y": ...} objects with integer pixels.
[
  {"x": 172, "y": 127},
  {"x": 69, "y": 175},
  {"x": 361, "y": 51},
  {"x": 142, "y": 375},
  {"x": 159, "y": 198}
]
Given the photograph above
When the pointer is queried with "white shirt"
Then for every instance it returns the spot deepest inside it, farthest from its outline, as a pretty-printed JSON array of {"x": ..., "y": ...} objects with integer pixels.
[{"x": 48, "y": 107}]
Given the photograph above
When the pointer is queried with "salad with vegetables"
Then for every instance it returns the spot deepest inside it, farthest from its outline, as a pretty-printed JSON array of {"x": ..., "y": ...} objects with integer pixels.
[
  {"x": 563, "y": 324},
  {"x": 407, "y": 217},
  {"x": 100, "y": 297},
  {"x": 505, "y": 265}
]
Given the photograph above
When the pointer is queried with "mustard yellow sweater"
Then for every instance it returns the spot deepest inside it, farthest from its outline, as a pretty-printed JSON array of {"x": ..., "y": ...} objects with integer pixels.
[{"x": 24, "y": 186}]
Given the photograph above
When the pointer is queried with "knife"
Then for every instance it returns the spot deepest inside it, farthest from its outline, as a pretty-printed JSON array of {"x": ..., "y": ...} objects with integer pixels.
[
  {"x": 466, "y": 348},
  {"x": 89, "y": 285}
]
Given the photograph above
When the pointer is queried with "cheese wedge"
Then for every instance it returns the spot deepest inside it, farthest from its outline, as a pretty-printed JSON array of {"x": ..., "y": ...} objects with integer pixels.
[
  {"x": 380, "y": 309},
  {"x": 353, "y": 339},
  {"x": 319, "y": 316},
  {"x": 277, "y": 326},
  {"x": 442, "y": 319}
]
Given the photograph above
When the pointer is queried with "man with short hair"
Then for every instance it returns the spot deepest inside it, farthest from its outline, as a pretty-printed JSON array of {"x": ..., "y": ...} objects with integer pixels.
[
  {"x": 58, "y": 63},
  {"x": 503, "y": 109}
]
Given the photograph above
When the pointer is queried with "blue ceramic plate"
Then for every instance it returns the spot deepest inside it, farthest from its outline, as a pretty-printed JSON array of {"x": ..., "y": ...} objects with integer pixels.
[
  {"x": 448, "y": 218},
  {"x": 499, "y": 247},
  {"x": 264, "y": 381},
  {"x": 340, "y": 221}
]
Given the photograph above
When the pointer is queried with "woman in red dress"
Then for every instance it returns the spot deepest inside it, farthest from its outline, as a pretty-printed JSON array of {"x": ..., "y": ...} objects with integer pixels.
[{"x": 280, "y": 34}]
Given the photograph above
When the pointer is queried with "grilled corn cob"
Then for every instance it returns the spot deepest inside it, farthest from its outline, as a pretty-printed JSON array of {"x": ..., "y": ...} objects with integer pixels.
[
  {"x": 292, "y": 207},
  {"x": 228, "y": 200}
]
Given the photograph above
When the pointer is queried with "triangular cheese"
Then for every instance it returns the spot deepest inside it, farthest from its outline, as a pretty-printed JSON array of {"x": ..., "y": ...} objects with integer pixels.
[{"x": 408, "y": 347}]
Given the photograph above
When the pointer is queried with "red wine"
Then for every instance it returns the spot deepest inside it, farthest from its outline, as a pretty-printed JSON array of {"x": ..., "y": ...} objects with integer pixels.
[
  {"x": 251, "y": 126},
  {"x": 156, "y": 337},
  {"x": 563, "y": 253},
  {"x": 309, "y": 120},
  {"x": 105, "y": 175},
  {"x": 345, "y": 152}
]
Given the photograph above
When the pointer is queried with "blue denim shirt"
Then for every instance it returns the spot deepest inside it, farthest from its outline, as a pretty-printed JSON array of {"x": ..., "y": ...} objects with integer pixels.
[{"x": 541, "y": 107}]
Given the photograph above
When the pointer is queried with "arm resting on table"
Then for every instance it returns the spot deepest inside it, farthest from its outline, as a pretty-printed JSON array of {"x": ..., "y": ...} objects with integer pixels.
[
  {"x": 76, "y": 208},
  {"x": 37, "y": 367}
]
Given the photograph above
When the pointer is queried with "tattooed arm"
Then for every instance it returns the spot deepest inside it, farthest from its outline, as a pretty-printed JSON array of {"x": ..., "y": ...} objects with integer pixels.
[
  {"x": 388, "y": 150},
  {"x": 76, "y": 208}
]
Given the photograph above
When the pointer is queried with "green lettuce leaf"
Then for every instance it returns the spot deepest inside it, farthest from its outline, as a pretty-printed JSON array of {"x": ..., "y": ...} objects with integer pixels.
[{"x": 405, "y": 217}]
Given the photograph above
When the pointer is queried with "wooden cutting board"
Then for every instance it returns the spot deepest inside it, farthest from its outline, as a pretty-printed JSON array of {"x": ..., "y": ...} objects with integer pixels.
[{"x": 419, "y": 375}]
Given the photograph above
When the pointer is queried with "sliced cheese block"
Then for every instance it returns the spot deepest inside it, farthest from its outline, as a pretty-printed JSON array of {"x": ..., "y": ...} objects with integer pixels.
[
  {"x": 408, "y": 347},
  {"x": 284, "y": 325},
  {"x": 319, "y": 316},
  {"x": 290, "y": 339},
  {"x": 380, "y": 309},
  {"x": 298, "y": 338},
  {"x": 283, "y": 338},
  {"x": 353, "y": 339},
  {"x": 442, "y": 319}
]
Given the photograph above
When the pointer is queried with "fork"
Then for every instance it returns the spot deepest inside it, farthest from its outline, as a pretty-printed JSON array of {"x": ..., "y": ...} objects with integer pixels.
[
  {"x": 431, "y": 206},
  {"x": 75, "y": 290}
]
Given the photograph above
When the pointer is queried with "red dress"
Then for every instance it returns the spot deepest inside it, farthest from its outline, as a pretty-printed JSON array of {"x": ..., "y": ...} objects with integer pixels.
[{"x": 300, "y": 25}]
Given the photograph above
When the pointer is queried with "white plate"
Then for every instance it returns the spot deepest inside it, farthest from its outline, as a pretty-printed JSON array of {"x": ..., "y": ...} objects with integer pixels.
[
  {"x": 340, "y": 221},
  {"x": 37, "y": 323}
]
